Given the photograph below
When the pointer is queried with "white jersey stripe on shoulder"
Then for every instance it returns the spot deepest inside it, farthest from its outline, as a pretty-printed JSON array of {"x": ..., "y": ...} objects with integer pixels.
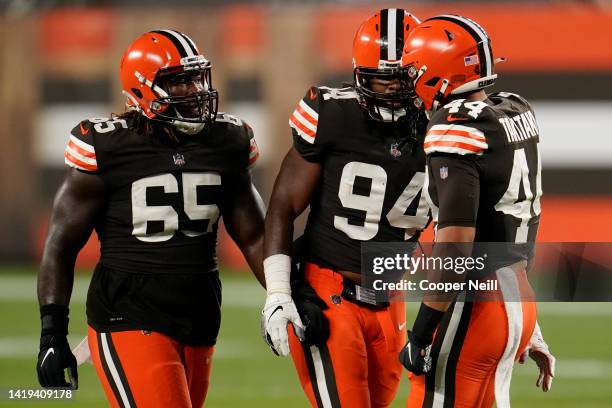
[
  {"x": 462, "y": 128},
  {"x": 301, "y": 133},
  {"x": 297, "y": 115},
  {"x": 80, "y": 157},
  {"x": 73, "y": 164},
  {"x": 456, "y": 138},
  {"x": 182, "y": 41},
  {"x": 309, "y": 110},
  {"x": 391, "y": 34},
  {"x": 82, "y": 144}
]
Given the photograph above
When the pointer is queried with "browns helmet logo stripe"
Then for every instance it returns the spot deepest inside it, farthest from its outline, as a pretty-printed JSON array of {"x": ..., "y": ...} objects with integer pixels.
[
  {"x": 391, "y": 33},
  {"x": 480, "y": 36},
  {"x": 183, "y": 44}
]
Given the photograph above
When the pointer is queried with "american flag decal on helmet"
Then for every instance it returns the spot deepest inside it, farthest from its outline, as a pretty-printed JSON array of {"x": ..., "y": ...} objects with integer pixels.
[{"x": 470, "y": 60}]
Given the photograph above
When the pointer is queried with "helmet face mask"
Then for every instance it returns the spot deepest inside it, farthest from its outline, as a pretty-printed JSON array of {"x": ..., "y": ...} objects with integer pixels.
[
  {"x": 165, "y": 77},
  {"x": 199, "y": 106},
  {"x": 367, "y": 80},
  {"x": 378, "y": 77}
]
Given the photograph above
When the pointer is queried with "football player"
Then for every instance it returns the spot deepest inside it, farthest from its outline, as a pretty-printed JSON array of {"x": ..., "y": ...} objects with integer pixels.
[
  {"x": 153, "y": 183},
  {"x": 357, "y": 160},
  {"x": 484, "y": 185}
]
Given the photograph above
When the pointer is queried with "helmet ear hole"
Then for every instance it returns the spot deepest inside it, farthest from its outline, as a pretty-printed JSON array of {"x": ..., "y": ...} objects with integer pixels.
[
  {"x": 136, "y": 92},
  {"x": 432, "y": 82}
]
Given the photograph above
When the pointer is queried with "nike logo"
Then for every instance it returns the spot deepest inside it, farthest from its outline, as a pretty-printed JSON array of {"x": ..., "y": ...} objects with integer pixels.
[
  {"x": 452, "y": 118},
  {"x": 401, "y": 327},
  {"x": 50, "y": 351},
  {"x": 274, "y": 311},
  {"x": 83, "y": 130}
]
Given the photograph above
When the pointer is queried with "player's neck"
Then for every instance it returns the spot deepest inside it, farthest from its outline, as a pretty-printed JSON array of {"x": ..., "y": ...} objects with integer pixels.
[{"x": 480, "y": 95}]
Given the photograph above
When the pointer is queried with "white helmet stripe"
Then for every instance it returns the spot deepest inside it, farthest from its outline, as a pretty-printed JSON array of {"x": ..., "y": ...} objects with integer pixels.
[
  {"x": 186, "y": 46},
  {"x": 484, "y": 39},
  {"x": 392, "y": 35}
]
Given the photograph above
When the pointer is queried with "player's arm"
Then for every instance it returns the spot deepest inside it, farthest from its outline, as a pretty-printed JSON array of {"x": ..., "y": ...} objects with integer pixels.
[
  {"x": 243, "y": 217},
  {"x": 293, "y": 189},
  {"x": 458, "y": 198},
  {"x": 538, "y": 351},
  {"x": 76, "y": 206}
]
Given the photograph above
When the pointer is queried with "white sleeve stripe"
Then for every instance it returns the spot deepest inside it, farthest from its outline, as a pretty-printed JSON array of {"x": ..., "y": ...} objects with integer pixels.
[
  {"x": 80, "y": 157},
  {"x": 456, "y": 138},
  {"x": 82, "y": 144},
  {"x": 309, "y": 110},
  {"x": 475, "y": 131},
  {"x": 303, "y": 135},
  {"x": 73, "y": 164},
  {"x": 449, "y": 149},
  {"x": 297, "y": 115}
]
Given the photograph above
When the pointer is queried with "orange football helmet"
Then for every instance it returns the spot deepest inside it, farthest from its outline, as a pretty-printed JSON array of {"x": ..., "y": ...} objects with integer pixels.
[
  {"x": 446, "y": 55},
  {"x": 377, "y": 51},
  {"x": 153, "y": 58}
]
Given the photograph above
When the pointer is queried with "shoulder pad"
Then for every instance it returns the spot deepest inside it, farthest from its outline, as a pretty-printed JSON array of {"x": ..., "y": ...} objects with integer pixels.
[
  {"x": 338, "y": 93},
  {"x": 80, "y": 152},
  {"x": 305, "y": 118},
  {"x": 457, "y": 128},
  {"x": 223, "y": 117}
]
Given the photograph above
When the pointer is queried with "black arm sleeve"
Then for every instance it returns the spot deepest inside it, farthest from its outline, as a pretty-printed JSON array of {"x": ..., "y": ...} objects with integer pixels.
[{"x": 457, "y": 183}]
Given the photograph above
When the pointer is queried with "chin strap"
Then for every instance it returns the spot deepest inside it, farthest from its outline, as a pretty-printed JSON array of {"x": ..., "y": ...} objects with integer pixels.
[
  {"x": 390, "y": 115},
  {"x": 188, "y": 127}
]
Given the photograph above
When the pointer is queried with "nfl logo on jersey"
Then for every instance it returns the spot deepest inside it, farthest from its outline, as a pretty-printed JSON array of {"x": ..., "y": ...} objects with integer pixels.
[
  {"x": 443, "y": 172},
  {"x": 179, "y": 159},
  {"x": 394, "y": 151}
]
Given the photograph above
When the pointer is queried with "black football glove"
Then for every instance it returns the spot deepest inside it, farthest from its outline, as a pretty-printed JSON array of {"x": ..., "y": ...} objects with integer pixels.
[
  {"x": 55, "y": 356},
  {"x": 416, "y": 354},
  {"x": 310, "y": 308},
  {"x": 416, "y": 357}
]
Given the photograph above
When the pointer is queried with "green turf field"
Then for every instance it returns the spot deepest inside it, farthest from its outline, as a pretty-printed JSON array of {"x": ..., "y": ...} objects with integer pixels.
[{"x": 246, "y": 374}]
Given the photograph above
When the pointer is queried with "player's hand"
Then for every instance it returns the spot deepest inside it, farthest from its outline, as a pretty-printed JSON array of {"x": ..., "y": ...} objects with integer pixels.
[
  {"x": 278, "y": 311},
  {"x": 310, "y": 307},
  {"x": 416, "y": 357},
  {"x": 538, "y": 351},
  {"x": 54, "y": 358}
]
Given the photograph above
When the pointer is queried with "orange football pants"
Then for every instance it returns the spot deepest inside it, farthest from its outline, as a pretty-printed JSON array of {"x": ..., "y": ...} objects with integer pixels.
[
  {"x": 475, "y": 348},
  {"x": 149, "y": 369},
  {"x": 358, "y": 367}
]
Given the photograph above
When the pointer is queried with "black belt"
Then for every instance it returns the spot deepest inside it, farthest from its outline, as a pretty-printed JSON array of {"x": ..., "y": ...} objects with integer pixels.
[{"x": 362, "y": 296}]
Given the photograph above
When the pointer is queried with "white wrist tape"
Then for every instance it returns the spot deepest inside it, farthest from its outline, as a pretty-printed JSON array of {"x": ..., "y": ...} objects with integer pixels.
[{"x": 277, "y": 269}]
